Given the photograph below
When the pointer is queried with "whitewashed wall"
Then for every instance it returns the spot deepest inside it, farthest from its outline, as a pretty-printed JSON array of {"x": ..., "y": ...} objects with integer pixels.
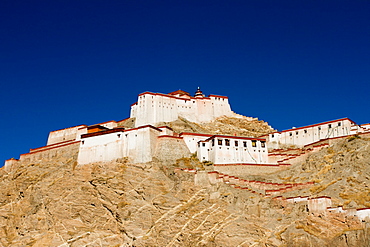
[
  {"x": 233, "y": 154},
  {"x": 191, "y": 140},
  {"x": 105, "y": 147},
  {"x": 154, "y": 108},
  {"x": 309, "y": 134}
]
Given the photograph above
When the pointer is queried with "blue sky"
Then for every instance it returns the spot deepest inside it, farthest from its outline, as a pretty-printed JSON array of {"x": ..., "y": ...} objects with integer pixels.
[{"x": 290, "y": 63}]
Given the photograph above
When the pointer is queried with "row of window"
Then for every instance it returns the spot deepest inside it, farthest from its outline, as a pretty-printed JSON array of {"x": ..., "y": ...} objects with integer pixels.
[
  {"x": 236, "y": 143},
  {"x": 305, "y": 131}
]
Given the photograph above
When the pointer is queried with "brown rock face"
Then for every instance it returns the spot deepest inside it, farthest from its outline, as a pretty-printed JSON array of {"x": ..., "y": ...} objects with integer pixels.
[{"x": 50, "y": 201}]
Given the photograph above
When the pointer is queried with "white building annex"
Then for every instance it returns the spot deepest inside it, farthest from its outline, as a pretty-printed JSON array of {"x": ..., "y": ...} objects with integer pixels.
[
  {"x": 221, "y": 149},
  {"x": 155, "y": 108},
  {"x": 312, "y": 133}
]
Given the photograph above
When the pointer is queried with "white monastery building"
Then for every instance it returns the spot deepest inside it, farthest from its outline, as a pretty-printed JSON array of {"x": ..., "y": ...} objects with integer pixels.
[
  {"x": 107, "y": 141},
  {"x": 155, "y": 108}
]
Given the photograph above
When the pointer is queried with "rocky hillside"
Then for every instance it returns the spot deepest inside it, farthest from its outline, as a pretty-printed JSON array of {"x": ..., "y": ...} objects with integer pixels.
[
  {"x": 242, "y": 126},
  {"x": 55, "y": 202}
]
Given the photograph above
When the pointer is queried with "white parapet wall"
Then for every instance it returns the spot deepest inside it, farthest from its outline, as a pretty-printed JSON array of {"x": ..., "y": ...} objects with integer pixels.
[{"x": 68, "y": 134}]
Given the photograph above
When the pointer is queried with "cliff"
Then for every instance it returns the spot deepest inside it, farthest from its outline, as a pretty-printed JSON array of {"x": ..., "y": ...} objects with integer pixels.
[{"x": 52, "y": 201}]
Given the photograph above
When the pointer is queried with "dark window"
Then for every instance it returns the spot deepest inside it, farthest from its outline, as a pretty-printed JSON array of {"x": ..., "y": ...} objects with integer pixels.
[
  {"x": 213, "y": 142},
  {"x": 296, "y": 132},
  {"x": 319, "y": 128},
  {"x": 329, "y": 126},
  {"x": 236, "y": 143},
  {"x": 272, "y": 136},
  {"x": 227, "y": 142},
  {"x": 339, "y": 124},
  {"x": 305, "y": 131},
  {"x": 219, "y": 142},
  {"x": 203, "y": 144},
  {"x": 263, "y": 144},
  {"x": 245, "y": 144},
  {"x": 290, "y": 134}
]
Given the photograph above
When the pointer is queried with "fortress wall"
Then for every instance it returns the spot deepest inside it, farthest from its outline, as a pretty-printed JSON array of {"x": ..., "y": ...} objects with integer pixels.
[
  {"x": 62, "y": 135},
  {"x": 169, "y": 149},
  {"x": 248, "y": 169},
  {"x": 67, "y": 151},
  {"x": 140, "y": 144}
]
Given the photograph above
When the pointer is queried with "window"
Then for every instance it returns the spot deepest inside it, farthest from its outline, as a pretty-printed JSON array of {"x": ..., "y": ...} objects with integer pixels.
[
  {"x": 219, "y": 141},
  {"x": 319, "y": 128},
  {"x": 263, "y": 144},
  {"x": 119, "y": 135},
  {"x": 213, "y": 142},
  {"x": 339, "y": 124},
  {"x": 236, "y": 143},
  {"x": 254, "y": 143},
  {"x": 272, "y": 136},
  {"x": 329, "y": 126},
  {"x": 227, "y": 142},
  {"x": 245, "y": 144},
  {"x": 296, "y": 132},
  {"x": 203, "y": 144},
  {"x": 305, "y": 131},
  {"x": 290, "y": 134}
]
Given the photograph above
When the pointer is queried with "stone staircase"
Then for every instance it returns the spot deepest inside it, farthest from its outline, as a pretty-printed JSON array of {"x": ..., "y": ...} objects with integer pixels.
[{"x": 257, "y": 187}]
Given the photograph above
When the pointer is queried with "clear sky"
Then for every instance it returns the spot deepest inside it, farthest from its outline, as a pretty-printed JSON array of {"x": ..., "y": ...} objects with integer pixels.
[{"x": 290, "y": 63}]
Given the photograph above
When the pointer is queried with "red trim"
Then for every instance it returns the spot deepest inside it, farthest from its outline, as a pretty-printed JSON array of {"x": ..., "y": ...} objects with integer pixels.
[
  {"x": 109, "y": 131},
  {"x": 194, "y": 134},
  {"x": 326, "y": 197},
  {"x": 175, "y": 137},
  {"x": 250, "y": 164},
  {"x": 237, "y": 137},
  {"x": 133, "y": 104},
  {"x": 170, "y": 96},
  {"x": 313, "y": 125},
  {"x": 362, "y": 209},
  {"x": 12, "y": 159},
  {"x": 50, "y": 148},
  {"x": 144, "y": 126},
  {"x": 98, "y": 126},
  {"x": 84, "y": 125},
  {"x": 55, "y": 144},
  {"x": 181, "y": 92},
  {"x": 218, "y": 96},
  {"x": 165, "y": 127}
]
